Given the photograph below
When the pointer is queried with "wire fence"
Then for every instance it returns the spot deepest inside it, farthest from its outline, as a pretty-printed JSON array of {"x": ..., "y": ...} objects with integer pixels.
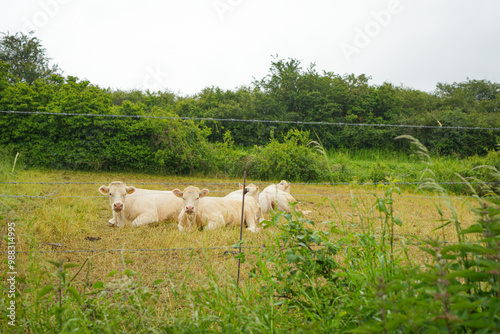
[
  {"x": 264, "y": 121},
  {"x": 231, "y": 186},
  {"x": 256, "y": 183},
  {"x": 234, "y": 248},
  {"x": 50, "y": 197}
]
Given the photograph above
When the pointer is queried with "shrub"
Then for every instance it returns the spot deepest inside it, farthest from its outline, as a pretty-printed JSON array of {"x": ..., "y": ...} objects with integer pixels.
[{"x": 291, "y": 159}]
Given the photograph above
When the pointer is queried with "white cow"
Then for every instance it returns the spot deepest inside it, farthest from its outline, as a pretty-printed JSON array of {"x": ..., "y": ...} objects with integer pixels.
[
  {"x": 277, "y": 197},
  {"x": 140, "y": 206},
  {"x": 251, "y": 198},
  {"x": 200, "y": 211}
]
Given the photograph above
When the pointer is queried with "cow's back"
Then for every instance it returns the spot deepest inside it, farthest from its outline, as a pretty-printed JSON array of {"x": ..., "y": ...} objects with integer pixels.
[
  {"x": 228, "y": 209},
  {"x": 273, "y": 198},
  {"x": 162, "y": 204}
]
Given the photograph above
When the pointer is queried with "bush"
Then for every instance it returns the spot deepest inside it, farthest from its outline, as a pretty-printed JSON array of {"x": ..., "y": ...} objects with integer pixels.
[{"x": 291, "y": 160}]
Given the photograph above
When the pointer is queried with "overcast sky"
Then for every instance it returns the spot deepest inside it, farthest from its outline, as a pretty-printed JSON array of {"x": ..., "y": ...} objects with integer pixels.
[{"x": 185, "y": 46}]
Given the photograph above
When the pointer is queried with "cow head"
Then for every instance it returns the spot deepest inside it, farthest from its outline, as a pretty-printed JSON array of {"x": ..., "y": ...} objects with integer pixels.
[
  {"x": 117, "y": 192},
  {"x": 191, "y": 197},
  {"x": 251, "y": 190},
  {"x": 283, "y": 186}
]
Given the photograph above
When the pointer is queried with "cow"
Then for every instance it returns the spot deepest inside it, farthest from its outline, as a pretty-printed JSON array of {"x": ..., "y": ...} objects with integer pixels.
[
  {"x": 140, "y": 206},
  {"x": 202, "y": 212},
  {"x": 251, "y": 198},
  {"x": 277, "y": 197}
]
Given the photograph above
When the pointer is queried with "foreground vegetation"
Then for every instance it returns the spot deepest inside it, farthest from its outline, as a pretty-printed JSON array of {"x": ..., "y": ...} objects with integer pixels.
[{"x": 367, "y": 260}]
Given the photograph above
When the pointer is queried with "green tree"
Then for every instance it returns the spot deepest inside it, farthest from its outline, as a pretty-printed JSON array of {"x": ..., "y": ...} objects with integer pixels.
[
  {"x": 27, "y": 58},
  {"x": 470, "y": 95},
  {"x": 4, "y": 76}
]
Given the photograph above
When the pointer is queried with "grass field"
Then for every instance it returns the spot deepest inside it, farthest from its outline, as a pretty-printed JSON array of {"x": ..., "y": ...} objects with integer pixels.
[{"x": 60, "y": 216}]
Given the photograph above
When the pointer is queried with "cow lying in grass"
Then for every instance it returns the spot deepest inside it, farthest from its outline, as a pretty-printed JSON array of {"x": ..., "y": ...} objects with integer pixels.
[
  {"x": 277, "y": 197},
  {"x": 251, "y": 198},
  {"x": 140, "y": 206},
  {"x": 209, "y": 213}
]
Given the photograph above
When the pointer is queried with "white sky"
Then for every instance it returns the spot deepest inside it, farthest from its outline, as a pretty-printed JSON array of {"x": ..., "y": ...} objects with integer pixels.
[{"x": 185, "y": 46}]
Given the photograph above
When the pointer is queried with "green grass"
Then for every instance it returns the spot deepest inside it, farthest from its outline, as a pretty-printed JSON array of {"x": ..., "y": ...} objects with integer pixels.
[{"x": 379, "y": 166}]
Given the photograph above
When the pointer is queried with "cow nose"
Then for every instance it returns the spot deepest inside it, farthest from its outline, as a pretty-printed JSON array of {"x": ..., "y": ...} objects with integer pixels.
[
  {"x": 189, "y": 208},
  {"x": 118, "y": 206}
]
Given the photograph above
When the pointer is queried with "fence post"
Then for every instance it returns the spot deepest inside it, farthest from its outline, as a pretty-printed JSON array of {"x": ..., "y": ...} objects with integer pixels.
[{"x": 241, "y": 225}]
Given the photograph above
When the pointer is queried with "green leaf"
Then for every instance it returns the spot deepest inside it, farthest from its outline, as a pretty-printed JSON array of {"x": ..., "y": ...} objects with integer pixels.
[
  {"x": 381, "y": 206},
  {"x": 129, "y": 272},
  {"x": 441, "y": 226},
  {"x": 112, "y": 273},
  {"x": 71, "y": 265},
  {"x": 470, "y": 274},
  {"x": 43, "y": 291},
  {"x": 98, "y": 285},
  {"x": 54, "y": 263},
  {"x": 292, "y": 257},
  {"x": 238, "y": 244},
  {"x": 428, "y": 250},
  {"x": 398, "y": 221},
  {"x": 75, "y": 294},
  {"x": 241, "y": 257},
  {"x": 158, "y": 281}
]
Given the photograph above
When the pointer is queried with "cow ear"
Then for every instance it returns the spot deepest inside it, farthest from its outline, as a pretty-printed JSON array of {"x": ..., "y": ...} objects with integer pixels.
[
  {"x": 241, "y": 186},
  {"x": 177, "y": 193},
  {"x": 130, "y": 190},
  {"x": 104, "y": 190},
  {"x": 204, "y": 193}
]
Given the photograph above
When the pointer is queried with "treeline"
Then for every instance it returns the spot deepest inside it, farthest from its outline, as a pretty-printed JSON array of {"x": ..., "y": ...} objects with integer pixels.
[
  {"x": 168, "y": 146},
  {"x": 288, "y": 93}
]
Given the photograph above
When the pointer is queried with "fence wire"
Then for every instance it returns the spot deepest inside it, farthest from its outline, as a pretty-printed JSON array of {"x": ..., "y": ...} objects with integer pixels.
[
  {"x": 293, "y": 194},
  {"x": 249, "y": 120},
  {"x": 234, "y": 248},
  {"x": 236, "y": 183}
]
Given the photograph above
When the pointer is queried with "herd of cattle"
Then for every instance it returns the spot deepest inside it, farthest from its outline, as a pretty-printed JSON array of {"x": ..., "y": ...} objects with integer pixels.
[{"x": 192, "y": 208}]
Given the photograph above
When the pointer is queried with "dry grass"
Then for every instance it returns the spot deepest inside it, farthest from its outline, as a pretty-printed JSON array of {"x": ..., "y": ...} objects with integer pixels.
[{"x": 78, "y": 212}]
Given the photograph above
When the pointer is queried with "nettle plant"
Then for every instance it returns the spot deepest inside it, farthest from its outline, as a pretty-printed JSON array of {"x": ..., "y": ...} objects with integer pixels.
[{"x": 361, "y": 282}]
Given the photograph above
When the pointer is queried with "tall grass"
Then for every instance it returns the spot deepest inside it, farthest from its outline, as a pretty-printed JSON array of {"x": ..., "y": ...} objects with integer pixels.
[{"x": 382, "y": 166}]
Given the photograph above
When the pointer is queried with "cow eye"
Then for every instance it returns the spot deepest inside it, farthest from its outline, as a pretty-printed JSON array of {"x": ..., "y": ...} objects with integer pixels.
[{"x": 110, "y": 194}]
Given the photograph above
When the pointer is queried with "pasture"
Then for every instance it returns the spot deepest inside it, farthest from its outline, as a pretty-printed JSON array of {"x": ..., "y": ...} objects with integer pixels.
[{"x": 64, "y": 219}]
